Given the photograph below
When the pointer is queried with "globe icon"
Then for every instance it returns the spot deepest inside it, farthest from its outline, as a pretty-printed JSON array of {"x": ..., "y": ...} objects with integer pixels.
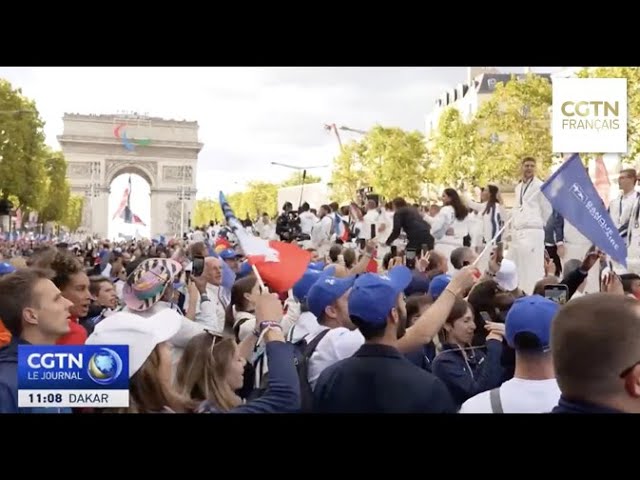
[{"x": 105, "y": 366}]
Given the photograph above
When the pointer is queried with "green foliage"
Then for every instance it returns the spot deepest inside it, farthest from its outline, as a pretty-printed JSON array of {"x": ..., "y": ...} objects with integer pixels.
[
  {"x": 391, "y": 160},
  {"x": 454, "y": 148},
  {"x": 73, "y": 212},
  {"x": 348, "y": 174},
  {"x": 206, "y": 210},
  {"x": 518, "y": 112},
  {"x": 296, "y": 179},
  {"x": 396, "y": 161},
  {"x": 56, "y": 197},
  {"x": 22, "y": 149},
  {"x": 259, "y": 197},
  {"x": 632, "y": 74},
  {"x": 513, "y": 123}
]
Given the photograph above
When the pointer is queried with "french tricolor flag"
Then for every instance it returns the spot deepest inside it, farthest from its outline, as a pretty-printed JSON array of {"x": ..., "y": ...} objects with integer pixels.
[{"x": 279, "y": 264}]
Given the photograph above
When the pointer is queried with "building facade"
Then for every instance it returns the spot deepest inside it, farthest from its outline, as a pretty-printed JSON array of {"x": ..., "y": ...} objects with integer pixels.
[{"x": 98, "y": 148}]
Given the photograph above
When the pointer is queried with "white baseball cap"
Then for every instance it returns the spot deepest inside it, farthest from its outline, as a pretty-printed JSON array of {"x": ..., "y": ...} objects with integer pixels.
[
  {"x": 507, "y": 276},
  {"x": 139, "y": 333}
]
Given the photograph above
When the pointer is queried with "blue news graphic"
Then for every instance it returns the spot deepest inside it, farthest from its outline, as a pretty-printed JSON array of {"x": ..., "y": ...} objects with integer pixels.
[{"x": 73, "y": 367}]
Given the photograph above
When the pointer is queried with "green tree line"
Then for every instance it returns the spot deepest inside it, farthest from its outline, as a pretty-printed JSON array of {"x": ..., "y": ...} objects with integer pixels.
[
  {"x": 488, "y": 146},
  {"x": 258, "y": 198},
  {"x": 32, "y": 175}
]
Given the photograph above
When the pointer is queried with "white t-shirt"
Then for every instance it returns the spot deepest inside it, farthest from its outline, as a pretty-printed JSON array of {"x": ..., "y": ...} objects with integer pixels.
[
  {"x": 338, "y": 344},
  {"x": 518, "y": 396}
]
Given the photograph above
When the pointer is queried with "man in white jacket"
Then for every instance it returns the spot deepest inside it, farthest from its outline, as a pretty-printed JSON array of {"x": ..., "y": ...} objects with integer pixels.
[
  {"x": 321, "y": 232},
  {"x": 633, "y": 238},
  {"x": 529, "y": 218},
  {"x": 620, "y": 209}
]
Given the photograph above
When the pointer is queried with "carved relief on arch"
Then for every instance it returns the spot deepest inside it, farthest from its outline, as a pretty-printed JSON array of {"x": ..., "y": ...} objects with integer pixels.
[
  {"x": 148, "y": 170},
  {"x": 80, "y": 170}
]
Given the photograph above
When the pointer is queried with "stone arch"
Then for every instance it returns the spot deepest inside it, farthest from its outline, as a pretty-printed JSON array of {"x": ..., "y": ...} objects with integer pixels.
[
  {"x": 147, "y": 172},
  {"x": 167, "y": 161}
]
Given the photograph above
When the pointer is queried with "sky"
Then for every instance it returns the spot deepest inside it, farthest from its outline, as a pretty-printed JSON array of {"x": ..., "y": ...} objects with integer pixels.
[{"x": 248, "y": 116}]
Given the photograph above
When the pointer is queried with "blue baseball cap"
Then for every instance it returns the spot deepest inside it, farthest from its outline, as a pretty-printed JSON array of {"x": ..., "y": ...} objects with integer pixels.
[
  {"x": 419, "y": 284},
  {"x": 316, "y": 266},
  {"x": 373, "y": 295},
  {"x": 308, "y": 279},
  {"x": 326, "y": 290},
  {"x": 532, "y": 314},
  {"x": 438, "y": 284},
  {"x": 6, "y": 268},
  {"x": 229, "y": 254},
  {"x": 244, "y": 270}
]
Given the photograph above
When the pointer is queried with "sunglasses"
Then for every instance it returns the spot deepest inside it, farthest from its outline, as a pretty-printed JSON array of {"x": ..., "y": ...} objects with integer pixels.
[{"x": 216, "y": 338}]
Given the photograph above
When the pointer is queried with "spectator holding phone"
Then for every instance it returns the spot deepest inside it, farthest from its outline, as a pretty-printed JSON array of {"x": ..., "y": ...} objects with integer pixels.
[
  {"x": 533, "y": 388},
  {"x": 468, "y": 370}
]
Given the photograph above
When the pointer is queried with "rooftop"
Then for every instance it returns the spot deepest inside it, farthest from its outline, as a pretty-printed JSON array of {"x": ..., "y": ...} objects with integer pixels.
[{"x": 109, "y": 118}]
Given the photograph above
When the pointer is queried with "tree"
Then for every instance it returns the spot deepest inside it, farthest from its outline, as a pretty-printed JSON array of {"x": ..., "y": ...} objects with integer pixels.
[
  {"x": 512, "y": 124},
  {"x": 73, "y": 215},
  {"x": 391, "y": 160},
  {"x": 56, "y": 188},
  {"x": 237, "y": 203},
  {"x": 22, "y": 149},
  {"x": 395, "y": 162},
  {"x": 206, "y": 210},
  {"x": 261, "y": 197},
  {"x": 348, "y": 173},
  {"x": 632, "y": 74},
  {"x": 454, "y": 148},
  {"x": 296, "y": 179}
]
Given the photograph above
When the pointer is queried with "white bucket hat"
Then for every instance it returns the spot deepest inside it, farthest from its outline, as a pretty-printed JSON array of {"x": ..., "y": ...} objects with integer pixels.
[{"x": 139, "y": 333}]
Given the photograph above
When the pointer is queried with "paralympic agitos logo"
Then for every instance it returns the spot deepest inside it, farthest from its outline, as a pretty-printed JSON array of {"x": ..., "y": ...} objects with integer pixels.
[{"x": 120, "y": 132}]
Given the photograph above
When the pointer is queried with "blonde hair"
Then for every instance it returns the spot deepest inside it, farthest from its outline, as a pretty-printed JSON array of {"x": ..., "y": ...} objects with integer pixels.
[
  {"x": 148, "y": 394},
  {"x": 18, "y": 262},
  {"x": 202, "y": 370}
]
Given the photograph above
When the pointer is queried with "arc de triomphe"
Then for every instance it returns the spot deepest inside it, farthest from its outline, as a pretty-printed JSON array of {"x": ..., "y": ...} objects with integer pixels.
[{"x": 98, "y": 148}]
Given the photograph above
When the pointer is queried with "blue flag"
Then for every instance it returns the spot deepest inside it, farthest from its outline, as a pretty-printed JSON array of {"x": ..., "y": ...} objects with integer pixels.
[{"x": 572, "y": 193}]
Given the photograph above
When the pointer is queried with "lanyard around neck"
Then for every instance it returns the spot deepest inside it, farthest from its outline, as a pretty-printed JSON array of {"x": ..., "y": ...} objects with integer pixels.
[{"x": 523, "y": 190}]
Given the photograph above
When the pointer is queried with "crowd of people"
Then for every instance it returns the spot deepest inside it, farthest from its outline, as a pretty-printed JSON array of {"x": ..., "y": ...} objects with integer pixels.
[{"x": 402, "y": 309}]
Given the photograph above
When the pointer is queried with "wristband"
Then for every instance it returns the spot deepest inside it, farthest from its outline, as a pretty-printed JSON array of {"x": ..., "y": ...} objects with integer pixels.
[
  {"x": 265, "y": 325},
  {"x": 204, "y": 298},
  {"x": 451, "y": 292}
]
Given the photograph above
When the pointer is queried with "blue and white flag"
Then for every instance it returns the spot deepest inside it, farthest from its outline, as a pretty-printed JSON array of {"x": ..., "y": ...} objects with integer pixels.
[{"x": 572, "y": 193}]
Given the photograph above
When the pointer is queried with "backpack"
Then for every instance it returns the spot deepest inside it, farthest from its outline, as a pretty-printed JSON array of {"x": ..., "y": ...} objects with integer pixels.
[
  {"x": 302, "y": 354},
  {"x": 496, "y": 401}
]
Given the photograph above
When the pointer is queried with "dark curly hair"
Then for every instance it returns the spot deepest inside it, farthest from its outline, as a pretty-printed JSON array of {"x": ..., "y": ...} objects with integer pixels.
[{"x": 64, "y": 266}]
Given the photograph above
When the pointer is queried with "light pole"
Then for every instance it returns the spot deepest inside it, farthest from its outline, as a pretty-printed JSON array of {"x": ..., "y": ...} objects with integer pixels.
[
  {"x": 185, "y": 193},
  {"x": 354, "y": 130},
  {"x": 304, "y": 174},
  {"x": 331, "y": 127}
]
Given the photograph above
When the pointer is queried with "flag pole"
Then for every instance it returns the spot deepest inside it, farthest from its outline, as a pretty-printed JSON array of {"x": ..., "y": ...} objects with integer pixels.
[
  {"x": 502, "y": 229},
  {"x": 259, "y": 278}
]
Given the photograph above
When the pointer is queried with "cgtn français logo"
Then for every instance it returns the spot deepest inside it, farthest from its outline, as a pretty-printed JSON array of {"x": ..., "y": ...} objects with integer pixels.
[{"x": 589, "y": 115}]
